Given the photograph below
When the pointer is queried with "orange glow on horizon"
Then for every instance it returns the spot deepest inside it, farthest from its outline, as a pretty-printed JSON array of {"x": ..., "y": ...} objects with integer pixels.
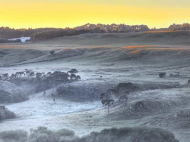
[{"x": 63, "y": 13}]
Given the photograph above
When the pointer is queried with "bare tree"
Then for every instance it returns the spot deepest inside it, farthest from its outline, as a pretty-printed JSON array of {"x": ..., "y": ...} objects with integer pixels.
[{"x": 107, "y": 98}]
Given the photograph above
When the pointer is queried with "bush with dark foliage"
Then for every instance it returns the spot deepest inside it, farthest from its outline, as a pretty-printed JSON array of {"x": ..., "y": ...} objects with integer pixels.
[
  {"x": 52, "y": 52},
  {"x": 13, "y": 136},
  {"x": 10, "y": 93},
  {"x": 6, "y": 114},
  {"x": 162, "y": 74},
  {"x": 42, "y": 134}
]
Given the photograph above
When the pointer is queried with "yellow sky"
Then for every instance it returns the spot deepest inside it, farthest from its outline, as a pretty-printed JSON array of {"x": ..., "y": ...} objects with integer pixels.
[{"x": 71, "y": 13}]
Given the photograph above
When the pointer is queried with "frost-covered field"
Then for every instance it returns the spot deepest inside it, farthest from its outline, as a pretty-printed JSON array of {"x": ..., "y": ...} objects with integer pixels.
[{"x": 103, "y": 66}]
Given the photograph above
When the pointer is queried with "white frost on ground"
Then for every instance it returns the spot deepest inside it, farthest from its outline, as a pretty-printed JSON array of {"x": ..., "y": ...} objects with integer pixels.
[
  {"x": 114, "y": 66},
  {"x": 23, "y": 39}
]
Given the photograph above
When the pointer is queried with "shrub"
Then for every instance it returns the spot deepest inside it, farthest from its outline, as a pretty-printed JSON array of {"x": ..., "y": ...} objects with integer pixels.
[
  {"x": 14, "y": 136},
  {"x": 10, "y": 93},
  {"x": 142, "y": 134},
  {"x": 162, "y": 74},
  {"x": 65, "y": 132},
  {"x": 42, "y": 134},
  {"x": 184, "y": 114},
  {"x": 6, "y": 114},
  {"x": 52, "y": 52}
]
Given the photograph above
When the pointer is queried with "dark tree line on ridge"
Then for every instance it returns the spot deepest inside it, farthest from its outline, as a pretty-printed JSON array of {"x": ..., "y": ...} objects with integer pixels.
[
  {"x": 7, "y": 33},
  {"x": 178, "y": 27},
  {"x": 114, "y": 28},
  {"x": 49, "y": 33}
]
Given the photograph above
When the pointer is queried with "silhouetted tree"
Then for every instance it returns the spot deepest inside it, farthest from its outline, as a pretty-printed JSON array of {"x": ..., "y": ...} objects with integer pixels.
[
  {"x": 162, "y": 74},
  {"x": 52, "y": 52}
]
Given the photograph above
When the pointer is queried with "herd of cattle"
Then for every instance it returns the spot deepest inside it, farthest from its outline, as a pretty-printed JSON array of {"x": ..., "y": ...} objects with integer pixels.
[{"x": 53, "y": 76}]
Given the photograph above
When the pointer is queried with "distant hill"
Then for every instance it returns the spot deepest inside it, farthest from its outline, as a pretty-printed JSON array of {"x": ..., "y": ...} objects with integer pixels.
[
  {"x": 49, "y": 33},
  {"x": 45, "y": 35},
  {"x": 7, "y": 32},
  {"x": 88, "y": 28}
]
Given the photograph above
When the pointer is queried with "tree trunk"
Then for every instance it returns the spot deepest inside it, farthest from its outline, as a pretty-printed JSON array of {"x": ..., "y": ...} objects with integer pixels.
[{"x": 108, "y": 107}]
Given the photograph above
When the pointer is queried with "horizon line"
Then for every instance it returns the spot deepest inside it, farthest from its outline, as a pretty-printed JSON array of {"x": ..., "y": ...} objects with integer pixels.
[{"x": 95, "y": 24}]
